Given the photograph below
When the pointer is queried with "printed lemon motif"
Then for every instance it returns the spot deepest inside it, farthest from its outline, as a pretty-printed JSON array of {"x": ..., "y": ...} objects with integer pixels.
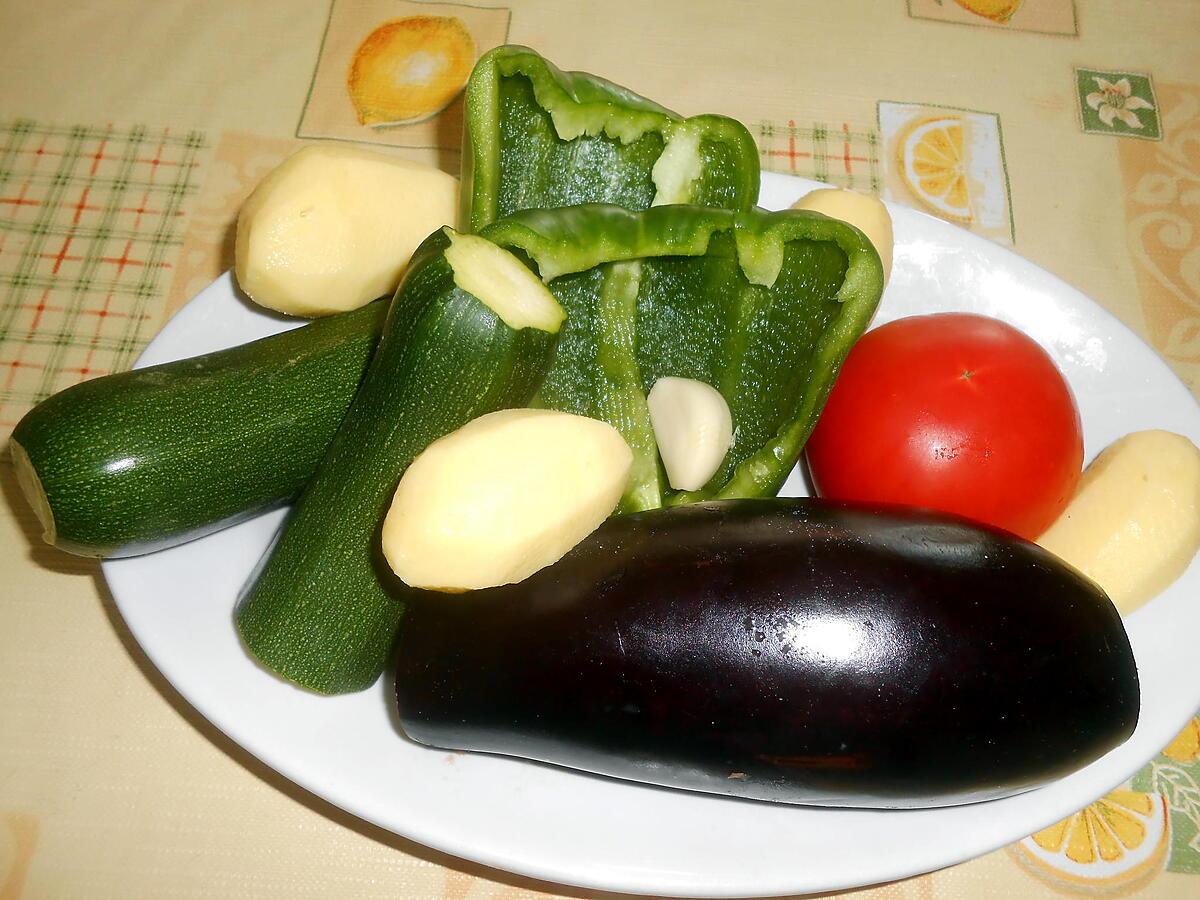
[
  {"x": 933, "y": 163},
  {"x": 996, "y": 10},
  {"x": 1110, "y": 844},
  {"x": 1186, "y": 746},
  {"x": 409, "y": 69}
]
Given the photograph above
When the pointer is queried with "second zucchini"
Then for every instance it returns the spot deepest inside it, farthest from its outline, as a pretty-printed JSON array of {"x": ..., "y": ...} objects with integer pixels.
[{"x": 325, "y": 608}]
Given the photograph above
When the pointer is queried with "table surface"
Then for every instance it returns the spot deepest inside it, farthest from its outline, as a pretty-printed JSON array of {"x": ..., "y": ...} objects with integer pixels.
[{"x": 129, "y": 135}]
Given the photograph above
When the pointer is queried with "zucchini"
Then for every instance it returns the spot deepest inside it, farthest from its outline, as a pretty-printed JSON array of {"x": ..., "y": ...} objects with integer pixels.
[
  {"x": 148, "y": 459},
  {"x": 789, "y": 650},
  {"x": 324, "y": 610}
]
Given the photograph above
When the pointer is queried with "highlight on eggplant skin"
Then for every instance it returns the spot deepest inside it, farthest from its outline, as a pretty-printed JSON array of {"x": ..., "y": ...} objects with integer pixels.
[{"x": 787, "y": 650}]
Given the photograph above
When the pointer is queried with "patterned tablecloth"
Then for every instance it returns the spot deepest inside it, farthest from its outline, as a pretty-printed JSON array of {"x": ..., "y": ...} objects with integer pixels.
[{"x": 130, "y": 133}]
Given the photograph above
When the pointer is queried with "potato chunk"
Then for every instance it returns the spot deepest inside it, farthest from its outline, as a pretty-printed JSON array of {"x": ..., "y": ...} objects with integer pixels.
[
  {"x": 333, "y": 227},
  {"x": 502, "y": 497},
  {"x": 864, "y": 212},
  {"x": 1134, "y": 523}
]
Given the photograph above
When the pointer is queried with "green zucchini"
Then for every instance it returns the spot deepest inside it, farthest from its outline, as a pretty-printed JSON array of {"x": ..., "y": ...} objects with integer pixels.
[
  {"x": 148, "y": 459},
  {"x": 324, "y": 609}
]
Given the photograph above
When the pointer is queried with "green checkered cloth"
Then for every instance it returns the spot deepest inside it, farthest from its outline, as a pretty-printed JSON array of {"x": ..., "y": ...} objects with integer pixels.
[
  {"x": 90, "y": 220},
  {"x": 837, "y": 154}
]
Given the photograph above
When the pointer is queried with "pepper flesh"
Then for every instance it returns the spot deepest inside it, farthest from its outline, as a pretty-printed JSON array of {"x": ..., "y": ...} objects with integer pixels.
[
  {"x": 538, "y": 137},
  {"x": 762, "y": 306}
]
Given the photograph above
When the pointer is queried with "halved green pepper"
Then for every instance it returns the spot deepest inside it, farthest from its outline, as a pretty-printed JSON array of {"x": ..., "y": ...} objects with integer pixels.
[
  {"x": 537, "y": 137},
  {"x": 762, "y": 306}
]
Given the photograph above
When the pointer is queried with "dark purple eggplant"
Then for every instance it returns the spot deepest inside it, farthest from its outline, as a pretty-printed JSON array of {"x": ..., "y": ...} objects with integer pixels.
[{"x": 786, "y": 650}]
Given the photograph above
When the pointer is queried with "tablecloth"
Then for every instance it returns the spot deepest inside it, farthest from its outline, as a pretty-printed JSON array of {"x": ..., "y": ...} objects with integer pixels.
[{"x": 129, "y": 134}]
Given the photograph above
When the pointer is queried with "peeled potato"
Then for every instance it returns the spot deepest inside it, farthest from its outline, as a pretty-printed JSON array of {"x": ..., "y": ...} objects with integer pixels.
[
  {"x": 502, "y": 497},
  {"x": 864, "y": 212},
  {"x": 1134, "y": 523},
  {"x": 333, "y": 227}
]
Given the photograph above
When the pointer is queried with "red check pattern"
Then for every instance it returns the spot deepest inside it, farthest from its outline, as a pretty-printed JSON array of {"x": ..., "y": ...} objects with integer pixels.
[
  {"x": 90, "y": 220},
  {"x": 839, "y": 154}
]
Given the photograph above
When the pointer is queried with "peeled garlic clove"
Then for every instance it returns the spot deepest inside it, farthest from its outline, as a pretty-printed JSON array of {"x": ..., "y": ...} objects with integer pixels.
[{"x": 693, "y": 428}]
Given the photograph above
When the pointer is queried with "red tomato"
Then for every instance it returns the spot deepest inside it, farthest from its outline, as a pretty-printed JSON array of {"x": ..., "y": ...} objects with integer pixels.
[{"x": 955, "y": 412}]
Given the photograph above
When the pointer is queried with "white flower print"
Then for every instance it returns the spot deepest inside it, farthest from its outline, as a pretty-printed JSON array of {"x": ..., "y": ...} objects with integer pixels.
[{"x": 1117, "y": 101}]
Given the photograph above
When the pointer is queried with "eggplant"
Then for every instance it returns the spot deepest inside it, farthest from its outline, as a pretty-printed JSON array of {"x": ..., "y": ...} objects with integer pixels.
[{"x": 787, "y": 650}]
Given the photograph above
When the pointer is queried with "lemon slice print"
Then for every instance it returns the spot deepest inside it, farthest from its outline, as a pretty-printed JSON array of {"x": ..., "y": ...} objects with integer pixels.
[
  {"x": 410, "y": 69},
  {"x": 1111, "y": 844},
  {"x": 933, "y": 164},
  {"x": 996, "y": 10},
  {"x": 1186, "y": 746}
]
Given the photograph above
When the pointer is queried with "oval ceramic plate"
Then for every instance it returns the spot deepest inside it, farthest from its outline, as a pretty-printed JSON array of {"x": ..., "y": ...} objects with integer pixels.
[{"x": 559, "y": 825}]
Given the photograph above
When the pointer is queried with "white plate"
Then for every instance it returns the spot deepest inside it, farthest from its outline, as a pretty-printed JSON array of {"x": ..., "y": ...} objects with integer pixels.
[{"x": 562, "y": 826}]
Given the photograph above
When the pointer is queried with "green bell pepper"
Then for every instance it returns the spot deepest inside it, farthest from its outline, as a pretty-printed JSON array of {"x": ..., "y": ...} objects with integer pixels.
[
  {"x": 762, "y": 306},
  {"x": 537, "y": 137}
]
